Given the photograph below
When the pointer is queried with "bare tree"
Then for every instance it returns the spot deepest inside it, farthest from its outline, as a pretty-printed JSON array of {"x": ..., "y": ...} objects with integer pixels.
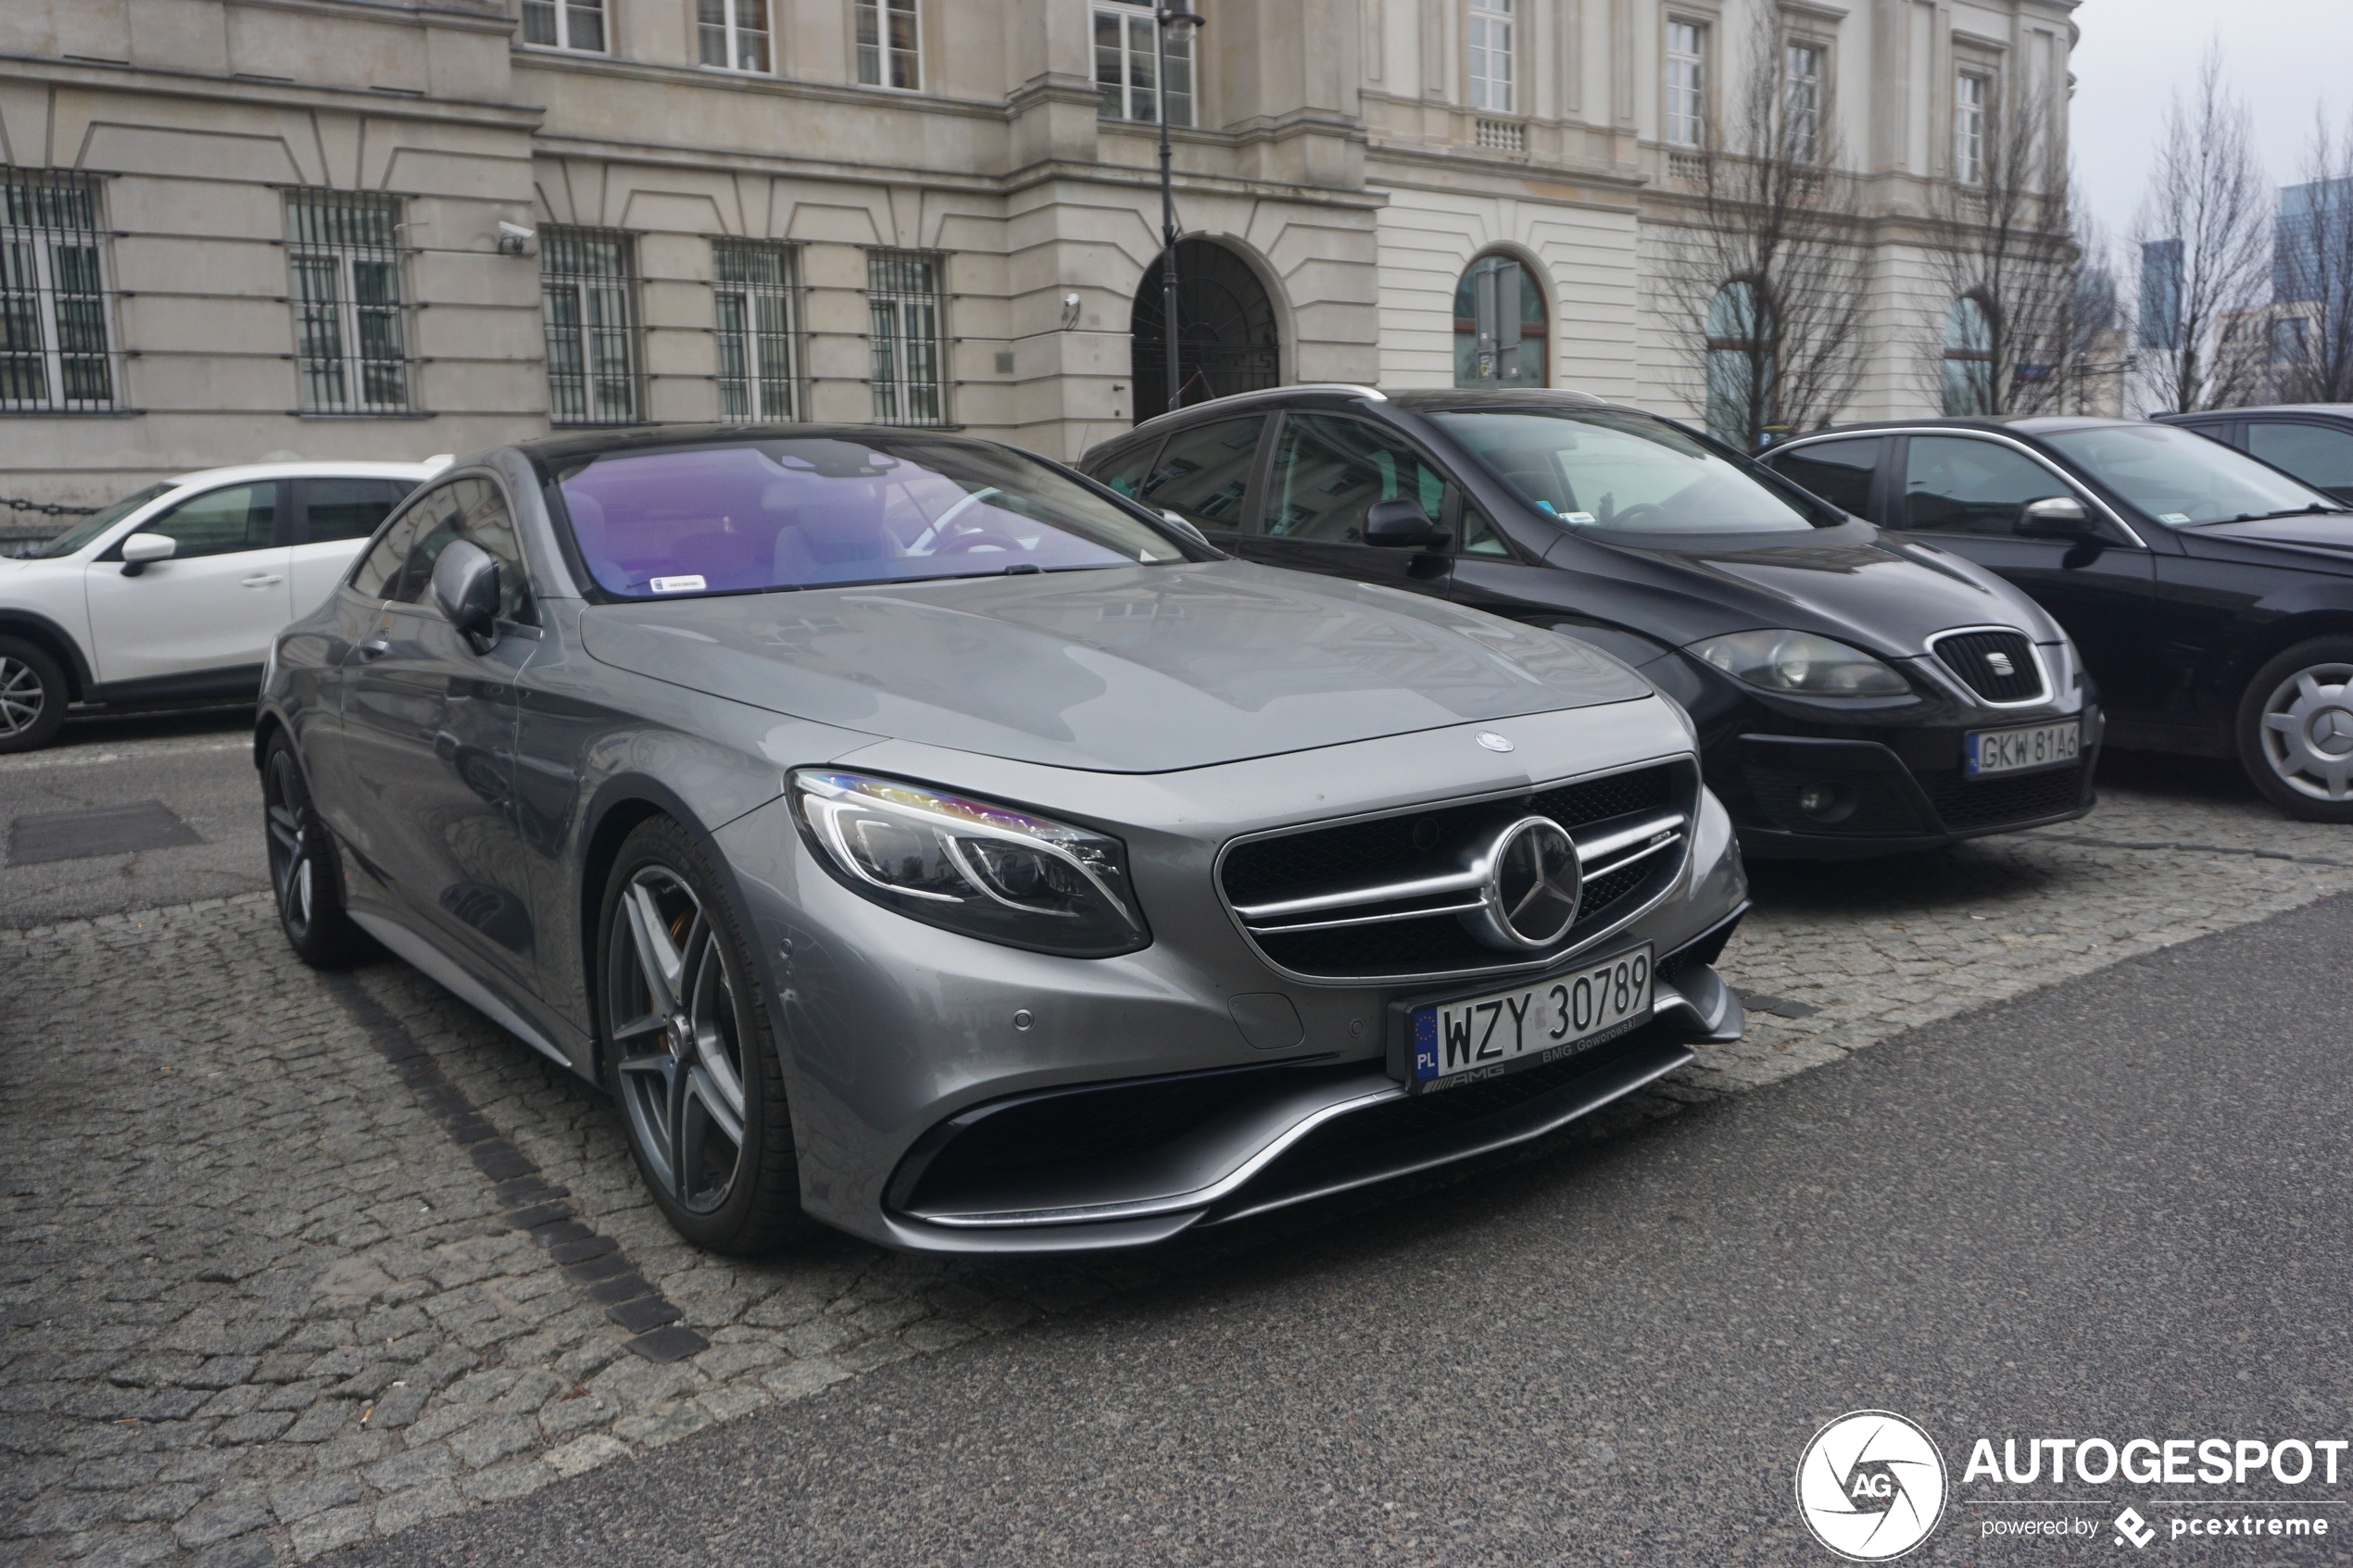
[
  {"x": 1766, "y": 268},
  {"x": 2003, "y": 256},
  {"x": 2204, "y": 234},
  {"x": 2312, "y": 273}
]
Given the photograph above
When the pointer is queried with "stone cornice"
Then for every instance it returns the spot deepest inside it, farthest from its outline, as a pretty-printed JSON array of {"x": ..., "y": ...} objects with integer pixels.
[{"x": 107, "y": 77}]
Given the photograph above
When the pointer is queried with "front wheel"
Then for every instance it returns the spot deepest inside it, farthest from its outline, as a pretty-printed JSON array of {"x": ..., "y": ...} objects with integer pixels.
[
  {"x": 688, "y": 1051},
  {"x": 2296, "y": 730},
  {"x": 306, "y": 872}
]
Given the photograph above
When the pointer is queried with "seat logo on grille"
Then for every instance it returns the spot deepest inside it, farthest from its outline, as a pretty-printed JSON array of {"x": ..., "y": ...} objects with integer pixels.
[
  {"x": 1533, "y": 884},
  {"x": 2001, "y": 664},
  {"x": 1494, "y": 742}
]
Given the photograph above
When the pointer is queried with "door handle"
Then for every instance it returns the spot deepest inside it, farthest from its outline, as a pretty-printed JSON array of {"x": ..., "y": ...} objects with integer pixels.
[
  {"x": 374, "y": 647},
  {"x": 263, "y": 580}
]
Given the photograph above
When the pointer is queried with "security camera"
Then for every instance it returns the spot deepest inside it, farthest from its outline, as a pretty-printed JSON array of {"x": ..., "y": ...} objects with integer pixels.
[{"x": 514, "y": 239}]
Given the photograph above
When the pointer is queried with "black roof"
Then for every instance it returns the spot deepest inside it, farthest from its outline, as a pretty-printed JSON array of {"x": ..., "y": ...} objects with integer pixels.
[
  {"x": 2332, "y": 410},
  {"x": 2028, "y": 424}
]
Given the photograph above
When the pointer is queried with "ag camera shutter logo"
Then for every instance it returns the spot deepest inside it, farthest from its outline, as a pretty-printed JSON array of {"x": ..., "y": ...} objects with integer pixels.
[{"x": 1871, "y": 1486}]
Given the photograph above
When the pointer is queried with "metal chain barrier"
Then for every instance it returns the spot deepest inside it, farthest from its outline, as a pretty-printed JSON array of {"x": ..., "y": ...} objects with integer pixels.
[{"x": 46, "y": 509}]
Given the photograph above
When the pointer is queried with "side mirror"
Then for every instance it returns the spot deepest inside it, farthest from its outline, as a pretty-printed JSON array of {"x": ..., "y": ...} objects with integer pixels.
[
  {"x": 465, "y": 588},
  {"x": 1399, "y": 523},
  {"x": 2055, "y": 516},
  {"x": 141, "y": 548}
]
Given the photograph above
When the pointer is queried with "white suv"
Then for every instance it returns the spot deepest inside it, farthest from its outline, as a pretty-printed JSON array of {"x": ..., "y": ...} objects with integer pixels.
[{"x": 173, "y": 594}]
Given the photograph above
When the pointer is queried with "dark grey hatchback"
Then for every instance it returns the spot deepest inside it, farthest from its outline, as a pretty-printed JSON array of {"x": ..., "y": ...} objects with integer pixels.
[{"x": 1855, "y": 694}]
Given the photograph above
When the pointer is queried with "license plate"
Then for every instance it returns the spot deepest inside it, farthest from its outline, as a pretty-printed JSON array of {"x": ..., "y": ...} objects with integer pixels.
[
  {"x": 1475, "y": 1037},
  {"x": 1985, "y": 752}
]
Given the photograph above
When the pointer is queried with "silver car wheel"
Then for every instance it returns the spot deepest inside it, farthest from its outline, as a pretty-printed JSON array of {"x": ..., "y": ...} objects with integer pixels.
[
  {"x": 2308, "y": 732},
  {"x": 290, "y": 872},
  {"x": 21, "y": 697},
  {"x": 673, "y": 1023}
]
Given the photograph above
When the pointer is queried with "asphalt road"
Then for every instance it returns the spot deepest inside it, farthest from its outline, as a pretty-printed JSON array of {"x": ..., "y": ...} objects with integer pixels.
[
  {"x": 2115, "y": 1207},
  {"x": 197, "y": 767}
]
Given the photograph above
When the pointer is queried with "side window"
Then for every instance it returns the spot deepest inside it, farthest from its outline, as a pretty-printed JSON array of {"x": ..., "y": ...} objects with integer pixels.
[
  {"x": 1479, "y": 537},
  {"x": 348, "y": 508},
  {"x": 489, "y": 524},
  {"x": 1203, "y": 474},
  {"x": 1952, "y": 485},
  {"x": 241, "y": 517},
  {"x": 426, "y": 532},
  {"x": 2319, "y": 455},
  {"x": 1839, "y": 472},
  {"x": 1126, "y": 470},
  {"x": 1330, "y": 470},
  {"x": 378, "y": 576}
]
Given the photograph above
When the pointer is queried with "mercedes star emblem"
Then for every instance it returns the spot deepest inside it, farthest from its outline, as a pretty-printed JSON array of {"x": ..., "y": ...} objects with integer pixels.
[{"x": 1533, "y": 884}]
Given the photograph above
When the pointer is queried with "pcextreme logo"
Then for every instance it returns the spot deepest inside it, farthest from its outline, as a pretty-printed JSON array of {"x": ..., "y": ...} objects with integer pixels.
[{"x": 1871, "y": 1486}]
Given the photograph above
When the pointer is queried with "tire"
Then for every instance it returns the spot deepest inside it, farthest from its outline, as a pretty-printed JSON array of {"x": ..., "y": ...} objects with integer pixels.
[
  {"x": 2295, "y": 730},
  {"x": 689, "y": 1052},
  {"x": 32, "y": 696},
  {"x": 306, "y": 869}
]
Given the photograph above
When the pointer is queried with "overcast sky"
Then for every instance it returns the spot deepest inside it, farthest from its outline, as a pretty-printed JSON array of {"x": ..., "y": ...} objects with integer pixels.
[{"x": 2281, "y": 56}]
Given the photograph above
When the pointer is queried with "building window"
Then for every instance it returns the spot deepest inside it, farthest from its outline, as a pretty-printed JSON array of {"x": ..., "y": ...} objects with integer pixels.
[
  {"x": 734, "y": 33},
  {"x": 1802, "y": 102},
  {"x": 906, "y": 314},
  {"x": 565, "y": 24},
  {"x": 1740, "y": 367},
  {"x": 1686, "y": 83},
  {"x": 588, "y": 299},
  {"x": 1969, "y": 129},
  {"x": 350, "y": 313},
  {"x": 1969, "y": 359},
  {"x": 758, "y": 309},
  {"x": 1499, "y": 325},
  {"x": 890, "y": 38},
  {"x": 54, "y": 352},
  {"x": 1127, "y": 68},
  {"x": 1491, "y": 56}
]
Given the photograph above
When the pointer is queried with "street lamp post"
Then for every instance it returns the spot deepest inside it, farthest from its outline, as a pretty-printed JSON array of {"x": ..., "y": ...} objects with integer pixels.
[{"x": 1166, "y": 15}]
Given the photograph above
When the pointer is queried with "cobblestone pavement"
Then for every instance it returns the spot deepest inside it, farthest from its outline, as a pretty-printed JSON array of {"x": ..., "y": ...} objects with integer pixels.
[{"x": 294, "y": 1261}]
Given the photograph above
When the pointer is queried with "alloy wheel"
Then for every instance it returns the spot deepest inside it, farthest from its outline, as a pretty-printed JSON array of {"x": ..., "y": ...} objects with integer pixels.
[
  {"x": 21, "y": 697},
  {"x": 674, "y": 1025},
  {"x": 292, "y": 874},
  {"x": 2308, "y": 732}
]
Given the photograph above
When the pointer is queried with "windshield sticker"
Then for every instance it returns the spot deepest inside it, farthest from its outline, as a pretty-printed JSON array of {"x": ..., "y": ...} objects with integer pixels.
[
  {"x": 2172, "y": 517},
  {"x": 1578, "y": 517},
  {"x": 675, "y": 585}
]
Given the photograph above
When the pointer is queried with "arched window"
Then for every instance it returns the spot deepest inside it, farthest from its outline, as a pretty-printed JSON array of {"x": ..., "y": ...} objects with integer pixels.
[
  {"x": 1499, "y": 325},
  {"x": 1226, "y": 340},
  {"x": 1969, "y": 359},
  {"x": 1740, "y": 366}
]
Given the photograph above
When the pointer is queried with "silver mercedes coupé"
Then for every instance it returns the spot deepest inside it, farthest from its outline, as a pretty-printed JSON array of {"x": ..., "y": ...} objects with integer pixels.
[{"x": 919, "y": 838}]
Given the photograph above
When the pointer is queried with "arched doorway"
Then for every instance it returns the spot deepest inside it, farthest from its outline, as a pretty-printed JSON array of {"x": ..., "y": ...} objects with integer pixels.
[
  {"x": 1500, "y": 332},
  {"x": 1225, "y": 339}
]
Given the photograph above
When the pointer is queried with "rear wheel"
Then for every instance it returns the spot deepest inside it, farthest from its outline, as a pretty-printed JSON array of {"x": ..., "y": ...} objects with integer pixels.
[
  {"x": 306, "y": 872},
  {"x": 2296, "y": 730},
  {"x": 32, "y": 696},
  {"x": 689, "y": 1053}
]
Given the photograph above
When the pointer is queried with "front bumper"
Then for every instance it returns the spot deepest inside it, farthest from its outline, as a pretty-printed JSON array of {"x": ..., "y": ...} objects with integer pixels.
[{"x": 894, "y": 1033}]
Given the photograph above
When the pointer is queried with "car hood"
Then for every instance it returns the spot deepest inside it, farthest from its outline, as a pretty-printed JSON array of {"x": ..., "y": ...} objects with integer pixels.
[
  {"x": 2324, "y": 539},
  {"x": 1852, "y": 583},
  {"x": 1125, "y": 669}
]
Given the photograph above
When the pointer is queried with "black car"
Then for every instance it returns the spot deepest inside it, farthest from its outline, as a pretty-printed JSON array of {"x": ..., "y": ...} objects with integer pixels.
[
  {"x": 1854, "y": 694},
  {"x": 2211, "y": 594},
  {"x": 2312, "y": 441}
]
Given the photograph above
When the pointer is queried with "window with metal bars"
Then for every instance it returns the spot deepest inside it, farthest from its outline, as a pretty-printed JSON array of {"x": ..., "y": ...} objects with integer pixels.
[
  {"x": 565, "y": 24},
  {"x": 890, "y": 52},
  {"x": 907, "y": 313},
  {"x": 588, "y": 299},
  {"x": 734, "y": 33},
  {"x": 56, "y": 353},
  {"x": 755, "y": 296},
  {"x": 350, "y": 312}
]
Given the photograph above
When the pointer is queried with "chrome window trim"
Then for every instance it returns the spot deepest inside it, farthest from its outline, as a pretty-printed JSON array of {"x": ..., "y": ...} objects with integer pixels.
[
  {"x": 2041, "y": 667},
  {"x": 1683, "y": 841},
  {"x": 2010, "y": 440}
]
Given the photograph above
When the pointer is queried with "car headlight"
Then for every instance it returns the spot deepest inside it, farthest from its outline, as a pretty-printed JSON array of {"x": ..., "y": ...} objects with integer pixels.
[
  {"x": 1800, "y": 662},
  {"x": 973, "y": 866}
]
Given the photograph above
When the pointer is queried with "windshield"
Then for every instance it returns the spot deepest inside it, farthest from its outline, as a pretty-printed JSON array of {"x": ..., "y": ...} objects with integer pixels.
[
  {"x": 806, "y": 511},
  {"x": 1605, "y": 467},
  {"x": 88, "y": 528},
  {"x": 2181, "y": 477}
]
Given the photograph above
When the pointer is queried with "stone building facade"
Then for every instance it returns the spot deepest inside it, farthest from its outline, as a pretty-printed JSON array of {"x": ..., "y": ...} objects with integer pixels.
[{"x": 234, "y": 229}]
